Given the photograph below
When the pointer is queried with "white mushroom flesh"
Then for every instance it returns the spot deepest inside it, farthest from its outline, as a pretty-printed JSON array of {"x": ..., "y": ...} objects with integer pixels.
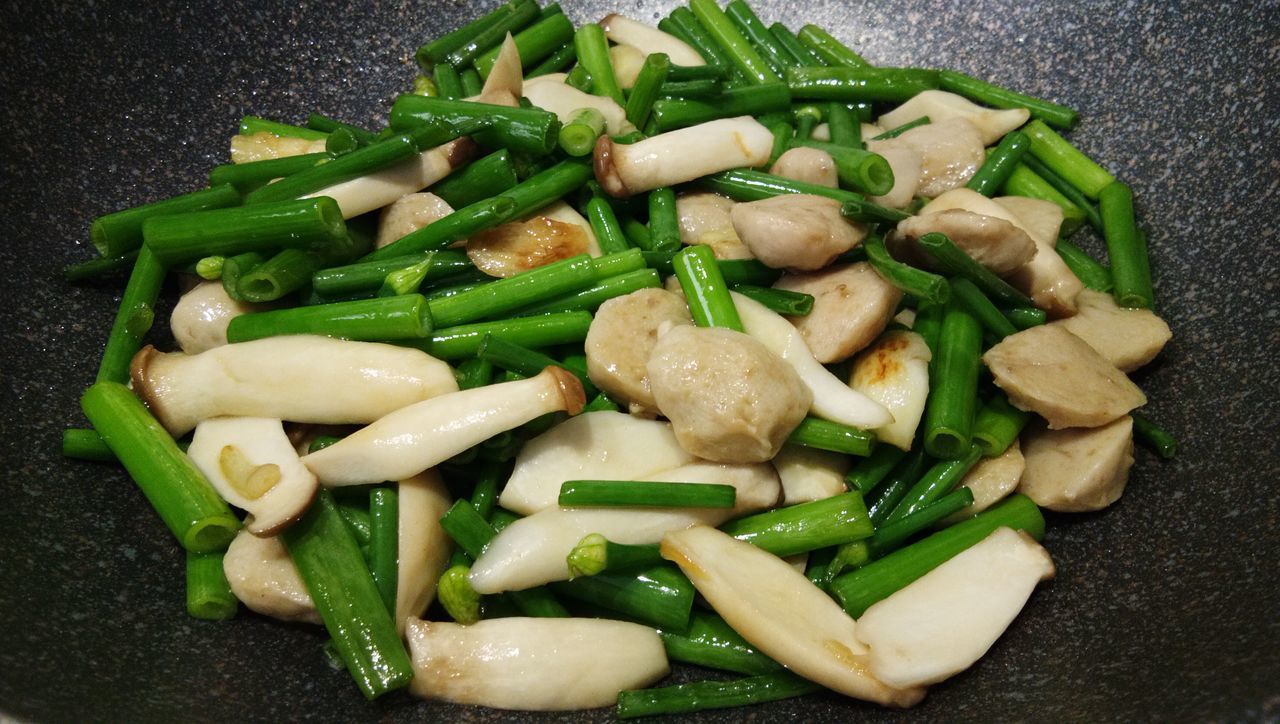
[
  {"x": 649, "y": 40},
  {"x": 951, "y": 152},
  {"x": 407, "y": 214},
  {"x": 940, "y": 105},
  {"x": 425, "y": 434},
  {"x": 728, "y": 397},
  {"x": 944, "y": 621},
  {"x": 811, "y": 165},
  {"x": 808, "y": 474},
  {"x": 301, "y": 378},
  {"x": 200, "y": 318},
  {"x": 994, "y": 243},
  {"x": 533, "y": 664},
  {"x": 262, "y": 146},
  {"x": 831, "y": 399},
  {"x": 796, "y": 231},
  {"x": 683, "y": 155},
  {"x": 550, "y": 93},
  {"x": 852, "y": 305},
  {"x": 507, "y": 74},
  {"x": 895, "y": 373},
  {"x": 1127, "y": 338},
  {"x": 519, "y": 246},
  {"x": 253, "y": 466},
  {"x": 780, "y": 612},
  {"x": 620, "y": 339},
  {"x": 533, "y": 550},
  {"x": 1079, "y": 469},
  {"x": 704, "y": 219},
  {"x": 423, "y": 547},
  {"x": 263, "y": 577},
  {"x": 908, "y": 166},
  {"x": 627, "y": 62},
  {"x": 376, "y": 190},
  {"x": 600, "y": 445},
  {"x": 1046, "y": 278},
  {"x": 990, "y": 480},
  {"x": 1057, "y": 375}
]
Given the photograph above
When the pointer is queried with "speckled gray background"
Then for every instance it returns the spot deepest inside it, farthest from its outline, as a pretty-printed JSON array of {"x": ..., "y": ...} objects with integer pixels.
[{"x": 1166, "y": 606}]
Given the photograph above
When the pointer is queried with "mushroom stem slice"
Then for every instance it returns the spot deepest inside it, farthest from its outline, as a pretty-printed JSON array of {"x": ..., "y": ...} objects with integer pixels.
[
  {"x": 832, "y": 399},
  {"x": 940, "y": 105},
  {"x": 300, "y": 378},
  {"x": 894, "y": 371},
  {"x": 649, "y": 40},
  {"x": 539, "y": 664},
  {"x": 253, "y": 466},
  {"x": 264, "y": 578},
  {"x": 423, "y": 545},
  {"x": 809, "y": 474},
  {"x": 780, "y": 612},
  {"x": 376, "y": 190},
  {"x": 423, "y": 435},
  {"x": 941, "y": 623},
  {"x": 679, "y": 156},
  {"x": 551, "y": 93},
  {"x": 200, "y": 318}
]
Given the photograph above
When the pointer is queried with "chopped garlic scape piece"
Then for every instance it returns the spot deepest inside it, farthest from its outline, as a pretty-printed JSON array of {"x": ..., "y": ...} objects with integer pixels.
[{"x": 943, "y": 622}]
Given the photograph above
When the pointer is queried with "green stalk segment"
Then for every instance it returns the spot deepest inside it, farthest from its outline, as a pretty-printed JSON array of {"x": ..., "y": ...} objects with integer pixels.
[
  {"x": 249, "y": 125},
  {"x": 118, "y": 233},
  {"x": 683, "y": 24},
  {"x": 209, "y": 595},
  {"x": 1065, "y": 160},
  {"x": 800, "y": 52},
  {"x": 1025, "y": 182},
  {"x": 736, "y": 47},
  {"x": 504, "y": 295},
  {"x": 578, "y": 136},
  {"x": 705, "y": 289},
  {"x": 704, "y": 695},
  {"x": 449, "y": 81},
  {"x": 919, "y": 283},
  {"x": 524, "y": 361},
  {"x": 746, "y": 21},
  {"x": 288, "y": 271},
  {"x": 528, "y": 130},
  {"x": 456, "y": 595},
  {"x": 546, "y": 330},
  {"x": 1126, "y": 248},
  {"x": 953, "y": 386},
  {"x": 1064, "y": 187},
  {"x": 827, "y": 435},
  {"x": 782, "y": 301},
  {"x": 248, "y": 177},
  {"x": 590, "y": 298},
  {"x": 1152, "y": 435},
  {"x": 554, "y": 63},
  {"x": 329, "y": 561},
  {"x": 235, "y": 268},
  {"x": 384, "y": 542},
  {"x": 856, "y": 591},
  {"x": 670, "y": 114},
  {"x": 437, "y": 50},
  {"x": 523, "y": 13},
  {"x": 893, "y": 533},
  {"x": 871, "y": 470},
  {"x": 805, "y": 527},
  {"x": 478, "y": 180},
  {"x": 935, "y": 483},
  {"x": 593, "y": 54},
  {"x": 664, "y": 220},
  {"x": 889, "y": 493},
  {"x": 981, "y": 308},
  {"x": 457, "y": 226},
  {"x": 535, "y": 43},
  {"x": 314, "y": 224},
  {"x": 997, "y": 425},
  {"x": 987, "y": 94},
  {"x": 856, "y": 85},
  {"x": 369, "y": 276},
  {"x": 899, "y": 130},
  {"x": 710, "y": 642},
  {"x": 645, "y": 90},
  {"x": 365, "y": 320},
  {"x": 748, "y": 185},
  {"x": 325, "y": 124},
  {"x": 133, "y": 318},
  {"x": 660, "y": 596},
  {"x": 701, "y": 88},
  {"x": 830, "y": 50},
  {"x": 82, "y": 444},
  {"x": 595, "y": 554},
  {"x": 1025, "y": 317},
  {"x": 957, "y": 262},
  {"x": 862, "y": 170},
  {"x": 95, "y": 268},
  {"x": 646, "y": 494},
  {"x": 844, "y": 127},
  {"x": 180, "y": 494},
  {"x": 604, "y": 222},
  {"x": 1000, "y": 163}
]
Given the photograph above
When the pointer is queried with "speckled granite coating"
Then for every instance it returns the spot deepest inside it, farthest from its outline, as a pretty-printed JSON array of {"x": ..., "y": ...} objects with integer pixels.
[{"x": 1166, "y": 606}]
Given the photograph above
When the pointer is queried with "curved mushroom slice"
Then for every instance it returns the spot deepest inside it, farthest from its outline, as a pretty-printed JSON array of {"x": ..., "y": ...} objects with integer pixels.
[
  {"x": 908, "y": 166},
  {"x": 809, "y": 474},
  {"x": 533, "y": 550},
  {"x": 649, "y": 40},
  {"x": 811, "y": 165},
  {"x": 538, "y": 664},
  {"x": 1058, "y": 376},
  {"x": 253, "y": 466},
  {"x": 895, "y": 373},
  {"x": 367, "y": 193},
  {"x": 852, "y": 305},
  {"x": 831, "y": 399},
  {"x": 627, "y": 61},
  {"x": 200, "y": 318},
  {"x": 263, "y": 577},
  {"x": 780, "y": 612},
  {"x": 622, "y": 336},
  {"x": 1046, "y": 278},
  {"x": 518, "y": 246},
  {"x": 409, "y": 213},
  {"x": 704, "y": 219},
  {"x": 551, "y": 93},
  {"x": 600, "y": 445},
  {"x": 990, "y": 480},
  {"x": 728, "y": 397},
  {"x": 1127, "y": 338},
  {"x": 1080, "y": 469},
  {"x": 944, "y": 621},
  {"x": 507, "y": 74},
  {"x": 262, "y": 146},
  {"x": 951, "y": 152},
  {"x": 423, "y": 546},
  {"x": 679, "y": 156},
  {"x": 301, "y": 378},
  {"x": 795, "y": 231},
  {"x": 425, "y": 434},
  {"x": 940, "y": 105},
  {"x": 994, "y": 243}
]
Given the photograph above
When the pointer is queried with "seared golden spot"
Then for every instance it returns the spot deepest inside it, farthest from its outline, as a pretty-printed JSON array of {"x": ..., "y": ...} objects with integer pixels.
[
  {"x": 883, "y": 363},
  {"x": 676, "y": 556},
  {"x": 518, "y": 246}
]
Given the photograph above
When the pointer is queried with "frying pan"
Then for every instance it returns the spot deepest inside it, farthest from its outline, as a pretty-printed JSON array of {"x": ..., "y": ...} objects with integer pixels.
[{"x": 1166, "y": 605}]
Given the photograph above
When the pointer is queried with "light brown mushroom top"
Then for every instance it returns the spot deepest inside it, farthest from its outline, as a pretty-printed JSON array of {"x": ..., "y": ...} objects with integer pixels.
[
  {"x": 796, "y": 231},
  {"x": 1127, "y": 338},
  {"x": 1055, "y": 374},
  {"x": 729, "y": 398},
  {"x": 622, "y": 335},
  {"x": 811, "y": 165},
  {"x": 408, "y": 214},
  {"x": 852, "y": 304}
]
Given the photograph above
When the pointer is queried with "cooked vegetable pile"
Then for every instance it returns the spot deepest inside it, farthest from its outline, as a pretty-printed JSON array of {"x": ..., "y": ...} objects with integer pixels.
[{"x": 612, "y": 317}]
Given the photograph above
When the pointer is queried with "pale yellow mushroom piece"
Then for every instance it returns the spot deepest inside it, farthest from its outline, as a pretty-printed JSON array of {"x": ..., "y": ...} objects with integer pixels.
[
  {"x": 809, "y": 474},
  {"x": 852, "y": 304},
  {"x": 895, "y": 373},
  {"x": 407, "y": 214},
  {"x": 423, "y": 547},
  {"x": 951, "y": 152},
  {"x": 811, "y": 165},
  {"x": 551, "y": 93},
  {"x": 551, "y": 234},
  {"x": 908, "y": 167},
  {"x": 506, "y": 77},
  {"x": 728, "y": 397},
  {"x": 992, "y": 124},
  {"x": 620, "y": 339},
  {"x": 200, "y": 318},
  {"x": 263, "y": 578},
  {"x": 649, "y": 40},
  {"x": 263, "y": 146},
  {"x": 627, "y": 62},
  {"x": 984, "y": 229},
  {"x": 1057, "y": 375},
  {"x": 705, "y": 219},
  {"x": 796, "y": 231},
  {"x": 1046, "y": 278},
  {"x": 1127, "y": 338},
  {"x": 374, "y": 191},
  {"x": 683, "y": 155},
  {"x": 1078, "y": 469}
]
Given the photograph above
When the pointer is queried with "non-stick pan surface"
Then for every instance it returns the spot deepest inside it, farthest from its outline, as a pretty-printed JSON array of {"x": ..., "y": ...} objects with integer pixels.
[{"x": 1166, "y": 606}]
